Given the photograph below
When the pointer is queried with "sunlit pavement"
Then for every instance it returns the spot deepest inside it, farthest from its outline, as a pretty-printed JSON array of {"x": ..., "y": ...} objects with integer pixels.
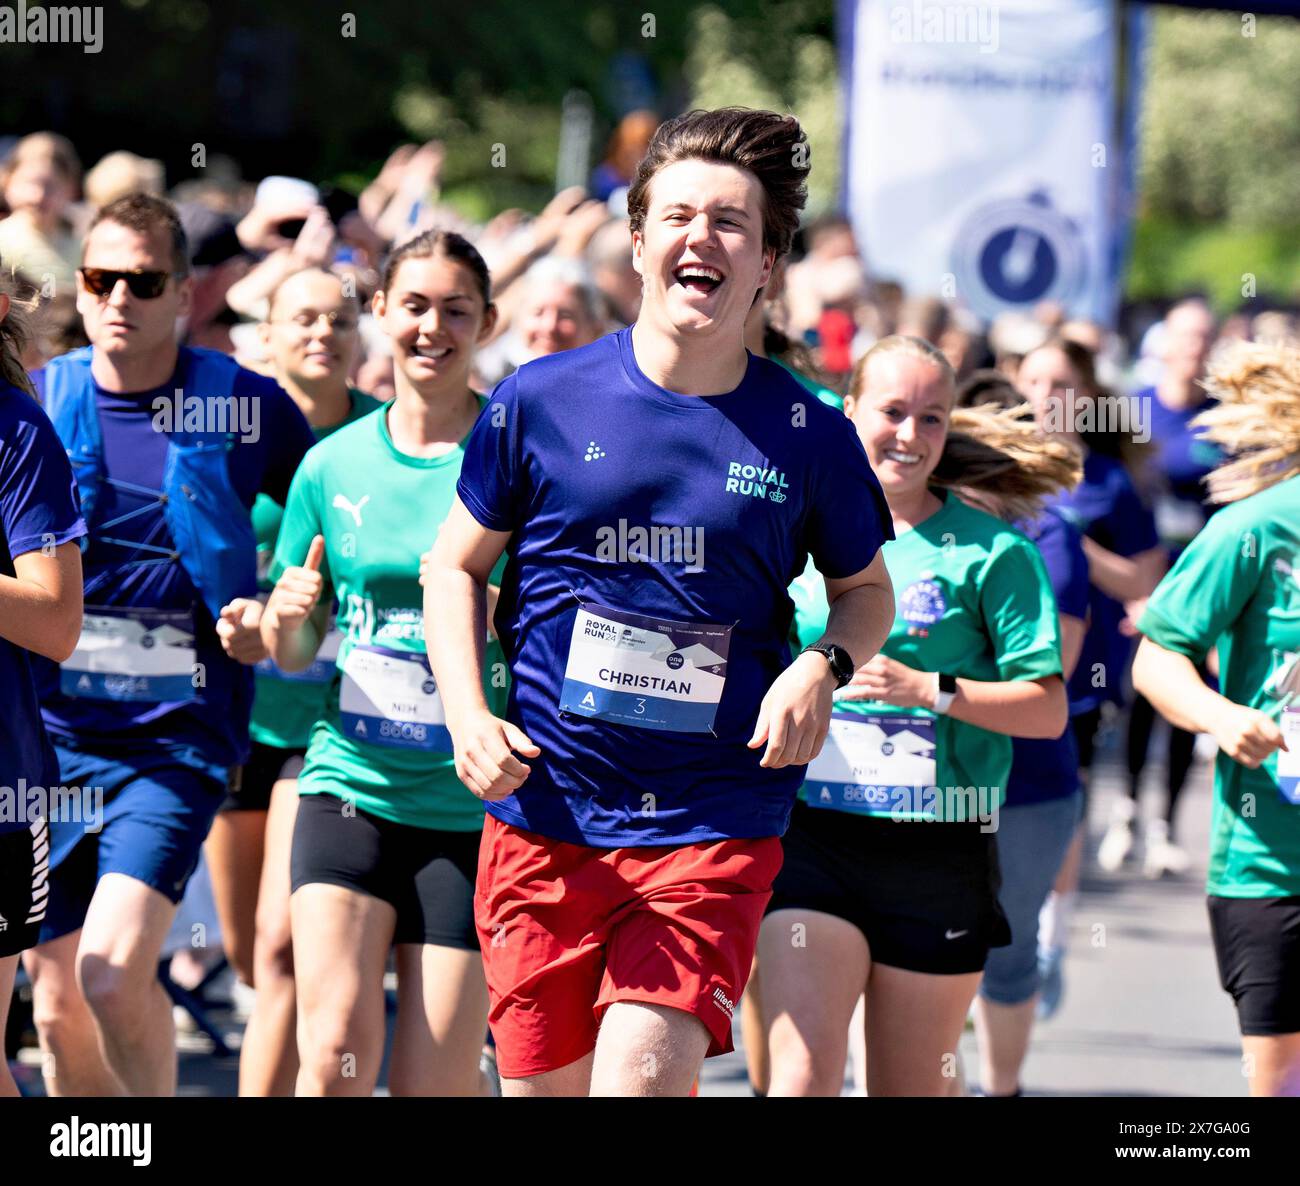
[{"x": 1143, "y": 1013}]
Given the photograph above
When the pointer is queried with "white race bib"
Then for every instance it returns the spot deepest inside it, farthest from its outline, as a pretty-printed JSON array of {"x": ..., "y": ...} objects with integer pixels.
[
  {"x": 872, "y": 764},
  {"x": 648, "y": 672},
  {"x": 1288, "y": 760},
  {"x": 129, "y": 654},
  {"x": 389, "y": 698}
]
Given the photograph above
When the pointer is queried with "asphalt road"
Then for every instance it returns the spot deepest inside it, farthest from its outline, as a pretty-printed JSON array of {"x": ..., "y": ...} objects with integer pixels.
[{"x": 1143, "y": 1014}]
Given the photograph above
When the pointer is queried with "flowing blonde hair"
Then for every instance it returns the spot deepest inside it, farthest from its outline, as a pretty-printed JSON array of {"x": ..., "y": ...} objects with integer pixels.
[
  {"x": 999, "y": 460},
  {"x": 996, "y": 458},
  {"x": 1256, "y": 421}
]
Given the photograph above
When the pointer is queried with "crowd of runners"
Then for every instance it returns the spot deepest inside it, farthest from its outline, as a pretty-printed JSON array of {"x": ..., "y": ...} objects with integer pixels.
[{"x": 620, "y": 623}]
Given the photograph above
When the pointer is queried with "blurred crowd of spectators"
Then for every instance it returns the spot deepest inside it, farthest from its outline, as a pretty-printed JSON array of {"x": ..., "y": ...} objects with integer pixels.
[{"x": 562, "y": 276}]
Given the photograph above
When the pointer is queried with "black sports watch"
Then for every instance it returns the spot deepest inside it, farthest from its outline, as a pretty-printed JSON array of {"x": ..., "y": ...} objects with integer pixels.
[{"x": 841, "y": 664}]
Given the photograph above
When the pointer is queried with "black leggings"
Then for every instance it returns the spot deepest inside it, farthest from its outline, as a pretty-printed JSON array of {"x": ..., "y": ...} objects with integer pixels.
[{"x": 1182, "y": 744}]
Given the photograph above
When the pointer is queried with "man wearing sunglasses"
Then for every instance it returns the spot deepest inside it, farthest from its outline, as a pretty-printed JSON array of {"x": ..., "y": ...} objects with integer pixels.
[{"x": 151, "y": 710}]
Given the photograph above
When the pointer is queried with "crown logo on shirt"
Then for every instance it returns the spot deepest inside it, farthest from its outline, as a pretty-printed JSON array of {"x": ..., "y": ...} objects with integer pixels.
[{"x": 777, "y": 496}]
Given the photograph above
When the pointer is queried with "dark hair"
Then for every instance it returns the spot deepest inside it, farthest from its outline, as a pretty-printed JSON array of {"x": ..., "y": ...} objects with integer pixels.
[
  {"x": 985, "y": 387},
  {"x": 146, "y": 214},
  {"x": 15, "y": 331},
  {"x": 778, "y": 344},
  {"x": 770, "y": 146},
  {"x": 444, "y": 244}
]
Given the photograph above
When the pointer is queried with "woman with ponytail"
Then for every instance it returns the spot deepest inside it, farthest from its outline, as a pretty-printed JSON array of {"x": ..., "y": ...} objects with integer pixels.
[
  {"x": 890, "y": 881},
  {"x": 1237, "y": 586}
]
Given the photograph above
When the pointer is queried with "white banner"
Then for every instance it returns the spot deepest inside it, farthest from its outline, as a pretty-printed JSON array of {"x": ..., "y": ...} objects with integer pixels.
[{"x": 981, "y": 163}]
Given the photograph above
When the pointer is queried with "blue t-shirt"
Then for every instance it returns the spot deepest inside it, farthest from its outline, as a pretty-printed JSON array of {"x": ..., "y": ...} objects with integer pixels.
[
  {"x": 1183, "y": 458},
  {"x": 1046, "y": 768},
  {"x": 128, "y": 565},
  {"x": 591, "y": 466},
  {"x": 1105, "y": 507},
  {"x": 38, "y": 508}
]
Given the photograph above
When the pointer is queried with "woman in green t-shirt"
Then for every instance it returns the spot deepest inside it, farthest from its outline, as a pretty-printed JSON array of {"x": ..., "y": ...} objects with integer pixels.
[
  {"x": 311, "y": 337},
  {"x": 385, "y": 845},
  {"x": 889, "y": 886},
  {"x": 1237, "y": 586}
]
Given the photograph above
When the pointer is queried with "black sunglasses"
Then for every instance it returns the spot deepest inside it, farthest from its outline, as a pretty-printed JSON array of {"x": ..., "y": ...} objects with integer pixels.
[{"x": 143, "y": 285}]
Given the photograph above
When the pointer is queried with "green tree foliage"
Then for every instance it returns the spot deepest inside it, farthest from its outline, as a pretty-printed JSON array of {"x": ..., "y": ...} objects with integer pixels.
[
  {"x": 784, "y": 60},
  {"x": 1220, "y": 134}
]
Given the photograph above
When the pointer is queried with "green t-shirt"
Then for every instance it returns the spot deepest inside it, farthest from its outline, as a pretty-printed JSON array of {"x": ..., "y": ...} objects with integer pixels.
[
  {"x": 973, "y": 600},
  {"x": 381, "y": 741},
  {"x": 1238, "y": 584},
  {"x": 820, "y": 390},
  {"x": 286, "y": 707}
]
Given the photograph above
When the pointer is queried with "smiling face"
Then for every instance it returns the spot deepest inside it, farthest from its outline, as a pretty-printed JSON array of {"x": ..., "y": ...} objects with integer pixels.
[
  {"x": 121, "y": 323},
  {"x": 701, "y": 256},
  {"x": 311, "y": 332},
  {"x": 901, "y": 415},
  {"x": 554, "y": 318},
  {"x": 434, "y": 315}
]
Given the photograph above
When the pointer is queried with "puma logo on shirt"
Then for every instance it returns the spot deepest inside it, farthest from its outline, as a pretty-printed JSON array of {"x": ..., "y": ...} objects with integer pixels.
[{"x": 342, "y": 504}]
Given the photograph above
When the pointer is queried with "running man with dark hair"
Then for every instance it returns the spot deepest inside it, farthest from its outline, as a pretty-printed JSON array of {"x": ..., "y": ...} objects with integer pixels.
[{"x": 657, "y": 490}]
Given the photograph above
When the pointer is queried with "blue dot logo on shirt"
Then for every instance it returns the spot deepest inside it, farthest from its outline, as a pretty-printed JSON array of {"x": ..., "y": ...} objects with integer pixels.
[
  {"x": 428, "y": 687},
  {"x": 921, "y": 605}
]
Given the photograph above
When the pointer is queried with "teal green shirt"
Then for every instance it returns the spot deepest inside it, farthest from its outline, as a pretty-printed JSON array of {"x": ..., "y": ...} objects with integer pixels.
[
  {"x": 974, "y": 600},
  {"x": 1238, "y": 584},
  {"x": 379, "y": 510},
  {"x": 820, "y": 390},
  {"x": 284, "y": 710}
]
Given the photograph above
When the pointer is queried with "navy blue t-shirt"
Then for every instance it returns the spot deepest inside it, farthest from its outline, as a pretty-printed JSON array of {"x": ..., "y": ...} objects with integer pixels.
[
  {"x": 591, "y": 466},
  {"x": 1046, "y": 768},
  {"x": 128, "y": 564},
  {"x": 1183, "y": 458},
  {"x": 1105, "y": 507},
  {"x": 38, "y": 509}
]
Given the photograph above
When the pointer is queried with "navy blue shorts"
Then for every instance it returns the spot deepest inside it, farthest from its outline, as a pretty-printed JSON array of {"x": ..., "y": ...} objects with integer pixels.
[{"x": 148, "y": 815}]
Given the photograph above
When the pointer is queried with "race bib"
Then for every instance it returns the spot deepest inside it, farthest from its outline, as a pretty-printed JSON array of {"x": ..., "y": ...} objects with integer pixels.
[
  {"x": 647, "y": 672},
  {"x": 322, "y": 667},
  {"x": 132, "y": 654},
  {"x": 389, "y": 698},
  {"x": 871, "y": 764},
  {"x": 1288, "y": 760}
]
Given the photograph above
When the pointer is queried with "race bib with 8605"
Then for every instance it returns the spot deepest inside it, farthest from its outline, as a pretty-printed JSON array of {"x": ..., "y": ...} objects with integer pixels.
[
  {"x": 872, "y": 763},
  {"x": 648, "y": 672},
  {"x": 389, "y": 698}
]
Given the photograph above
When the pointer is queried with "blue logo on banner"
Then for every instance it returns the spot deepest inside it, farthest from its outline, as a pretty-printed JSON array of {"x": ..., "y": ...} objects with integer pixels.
[{"x": 1017, "y": 252}]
